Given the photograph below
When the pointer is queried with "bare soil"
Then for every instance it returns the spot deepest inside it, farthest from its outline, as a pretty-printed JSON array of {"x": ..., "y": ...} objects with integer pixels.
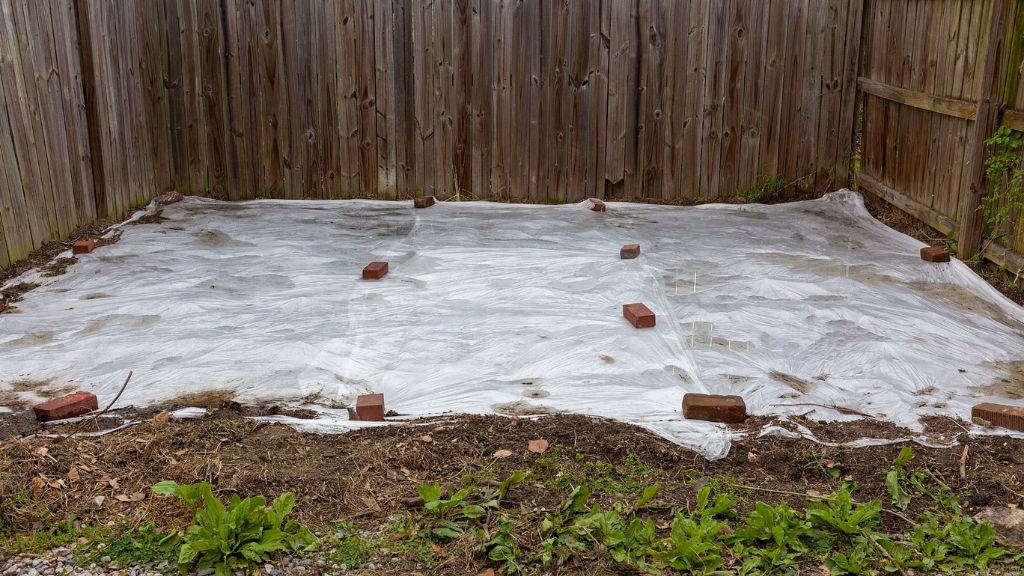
[{"x": 372, "y": 473}]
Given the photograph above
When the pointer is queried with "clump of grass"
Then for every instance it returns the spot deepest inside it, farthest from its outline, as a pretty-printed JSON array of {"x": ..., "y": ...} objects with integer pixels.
[{"x": 765, "y": 188}]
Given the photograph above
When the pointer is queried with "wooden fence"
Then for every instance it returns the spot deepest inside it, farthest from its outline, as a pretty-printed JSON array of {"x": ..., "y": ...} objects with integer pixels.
[
  {"x": 937, "y": 78},
  {"x": 510, "y": 99},
  {"x": 105, "y": 103},
  {"x": 110, "y": 102}
]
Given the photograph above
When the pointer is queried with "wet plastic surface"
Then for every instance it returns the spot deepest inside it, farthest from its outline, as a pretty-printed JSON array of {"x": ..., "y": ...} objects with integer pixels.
[{"x": 517, "y": 309}]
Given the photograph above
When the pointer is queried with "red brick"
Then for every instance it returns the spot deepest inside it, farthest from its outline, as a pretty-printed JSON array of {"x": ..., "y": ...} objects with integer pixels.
[
  {"x": 424, "y": 202},
  {"x": 935, "y": 254},
  {"x": 370, "y": 407},
  {"x": 597, "y": 205},
  {"x": 639, "y": 316},
  {"x": 375, "y": 271},
  {"x": 66, "y": 407},
  {"x": 83, "y": 246},
  {"x": 629, "y": 251},
  {"x": 714, "y": 408},
  {"x": 1002, "y": 415}
]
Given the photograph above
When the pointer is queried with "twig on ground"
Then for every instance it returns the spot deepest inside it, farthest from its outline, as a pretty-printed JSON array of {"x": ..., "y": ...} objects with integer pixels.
[
  {"x": 955, "y": 421},
  {"x": 100, "y": 413},
  {"x": 963, "y": 464},
  {"x": 841, "y": 409}
]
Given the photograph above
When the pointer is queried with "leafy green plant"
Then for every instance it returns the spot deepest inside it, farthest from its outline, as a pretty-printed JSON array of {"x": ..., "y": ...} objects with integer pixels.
[
  {"x": 771, "y": 538},
  {"x": 694, "y": 544},
  {"x": 239, "y": 536},
  {"x": 1004, "y": 172},
  {"x": 453, "y": 516},
  {"x": 839, "y": 514}
]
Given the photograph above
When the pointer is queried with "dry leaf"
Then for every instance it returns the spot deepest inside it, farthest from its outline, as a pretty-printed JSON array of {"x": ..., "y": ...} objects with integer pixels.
[
  {"x": 138, "y": 497},
  {"x": 371, "y": 504},
  {"x": 161, "y": 417},
  {"x": 122, "y": 498},
  {"x": 113, "y": 483},
  {"x": 426, "y": 439},
  {"x": 814, "y": 493},
  {"x": 824, "y": 570},
  {"x": 37, "y": 485},
  {"x": 752, "y": 456},
  {"x": 41, "y": 451},
  {"x": 436, "y": 549},
  {"x": 99, "y": 500},
  {"x": 488, "y": 572},
  {"x": 73, "y": 474},
  {"x": 502, "y": 453},
  {"x": 538, "y": 446}
]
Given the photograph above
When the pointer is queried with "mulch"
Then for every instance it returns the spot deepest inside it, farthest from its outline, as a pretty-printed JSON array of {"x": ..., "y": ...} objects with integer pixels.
[{"x": 372, "y": 473}]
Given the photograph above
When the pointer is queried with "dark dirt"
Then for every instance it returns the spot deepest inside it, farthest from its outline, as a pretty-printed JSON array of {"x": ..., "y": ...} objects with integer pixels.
[
  {"x": 372, "y": 473},
  {"x": 45, "y": 253}
]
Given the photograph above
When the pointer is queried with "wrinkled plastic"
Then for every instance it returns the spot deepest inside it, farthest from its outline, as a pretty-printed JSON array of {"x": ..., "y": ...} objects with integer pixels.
[{"x": 810, "y": 307}]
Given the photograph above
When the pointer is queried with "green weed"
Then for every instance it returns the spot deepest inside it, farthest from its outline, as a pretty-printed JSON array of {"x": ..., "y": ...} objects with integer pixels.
[
  {"x": 765, "y": 188},
  {"x": 241, "y": 535}
]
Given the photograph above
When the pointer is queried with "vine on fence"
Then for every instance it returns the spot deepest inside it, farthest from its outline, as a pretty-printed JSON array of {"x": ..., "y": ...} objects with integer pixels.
[{"x": 1004, "y": 170}]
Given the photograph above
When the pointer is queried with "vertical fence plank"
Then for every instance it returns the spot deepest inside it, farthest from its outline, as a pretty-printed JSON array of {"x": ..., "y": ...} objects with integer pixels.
[
  {"x": 989, "y": 95},
  {"x": 696, "y": 88}
]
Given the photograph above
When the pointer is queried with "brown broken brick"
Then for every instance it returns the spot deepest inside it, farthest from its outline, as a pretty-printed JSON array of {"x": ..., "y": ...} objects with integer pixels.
[
  {"x": 639, "y": 315},
  {"x": 169, "y": 198},
  {"x": 424, "y": 202},
  {"x": 83, "y": 246},
  {"x": 597, "y": 205},
  {"x": 714, "y": 408},
  {"x": 935, "y": 254},
  {"x": 370, "y": 407},
  {"x": 1002, "y": 415},
  {"x": 68, "y": 406},
  {"x": 375, "y": 270}
]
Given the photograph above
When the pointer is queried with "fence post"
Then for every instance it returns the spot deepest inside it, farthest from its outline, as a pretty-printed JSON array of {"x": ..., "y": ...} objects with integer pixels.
[{"x": 989, "y": 96}]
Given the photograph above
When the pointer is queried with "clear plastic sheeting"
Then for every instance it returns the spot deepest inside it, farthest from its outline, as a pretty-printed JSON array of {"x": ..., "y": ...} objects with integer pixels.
[{"x": 810, "y": 307}]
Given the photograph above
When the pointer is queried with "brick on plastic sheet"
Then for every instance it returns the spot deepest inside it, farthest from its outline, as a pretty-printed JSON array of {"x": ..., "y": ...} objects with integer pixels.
[
  {"x": 375, "y": 271},
  {"x": 629, "y": 251},
  {"x": 935, "y": 254},
  {"x": 370, "y": 407},
  {"x": 639, "y": 315},
  {"x": 714, "y": 408},
  {"x": 83, "y": 247},
  {"x": 1002, "y": 415}
]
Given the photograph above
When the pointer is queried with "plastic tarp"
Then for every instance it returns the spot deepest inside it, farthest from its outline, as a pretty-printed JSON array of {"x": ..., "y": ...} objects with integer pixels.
[{"x": 517, "y": 309}]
